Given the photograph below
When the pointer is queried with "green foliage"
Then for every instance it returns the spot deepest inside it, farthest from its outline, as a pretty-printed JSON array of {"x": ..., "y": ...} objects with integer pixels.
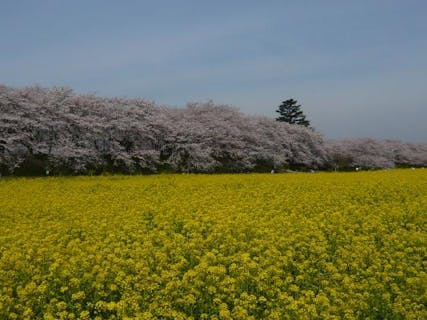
[{"x": 291, "y": 112}]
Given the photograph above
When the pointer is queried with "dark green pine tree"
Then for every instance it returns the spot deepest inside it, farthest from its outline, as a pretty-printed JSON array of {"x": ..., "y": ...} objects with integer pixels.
[{"x": 291, "y": 112}]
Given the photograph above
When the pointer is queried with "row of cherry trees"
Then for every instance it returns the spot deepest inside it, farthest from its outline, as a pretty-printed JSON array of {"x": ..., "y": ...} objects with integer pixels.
[
  {"x": 59, "y": 132},
  {"x": 376, "y": 154}
]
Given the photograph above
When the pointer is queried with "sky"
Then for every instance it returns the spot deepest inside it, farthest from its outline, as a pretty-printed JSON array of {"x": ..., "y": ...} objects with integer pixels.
[{"x": 358, "y": 68}]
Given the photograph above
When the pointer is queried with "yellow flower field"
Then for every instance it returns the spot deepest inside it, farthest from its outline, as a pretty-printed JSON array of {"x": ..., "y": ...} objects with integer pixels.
[{"x": 254, "y": 246}]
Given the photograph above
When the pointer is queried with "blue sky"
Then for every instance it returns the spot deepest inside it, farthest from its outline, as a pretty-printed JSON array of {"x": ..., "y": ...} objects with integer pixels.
[{"x": 359, "y": 68}]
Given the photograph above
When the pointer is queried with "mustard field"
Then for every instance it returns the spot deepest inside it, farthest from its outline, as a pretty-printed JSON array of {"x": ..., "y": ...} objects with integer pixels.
[{"x": 253, "y": 246}]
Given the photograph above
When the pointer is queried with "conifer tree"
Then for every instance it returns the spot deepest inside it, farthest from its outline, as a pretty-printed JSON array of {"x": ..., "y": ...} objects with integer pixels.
[{"x": 291, "y": 112}]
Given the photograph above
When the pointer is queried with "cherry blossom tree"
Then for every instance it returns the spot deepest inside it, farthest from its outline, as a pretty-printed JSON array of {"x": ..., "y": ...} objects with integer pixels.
[{"x": 55, "y": 131}]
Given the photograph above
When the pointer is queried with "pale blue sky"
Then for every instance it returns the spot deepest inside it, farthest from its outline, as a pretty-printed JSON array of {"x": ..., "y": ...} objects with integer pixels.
[{"x": 358, "y": 67}]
